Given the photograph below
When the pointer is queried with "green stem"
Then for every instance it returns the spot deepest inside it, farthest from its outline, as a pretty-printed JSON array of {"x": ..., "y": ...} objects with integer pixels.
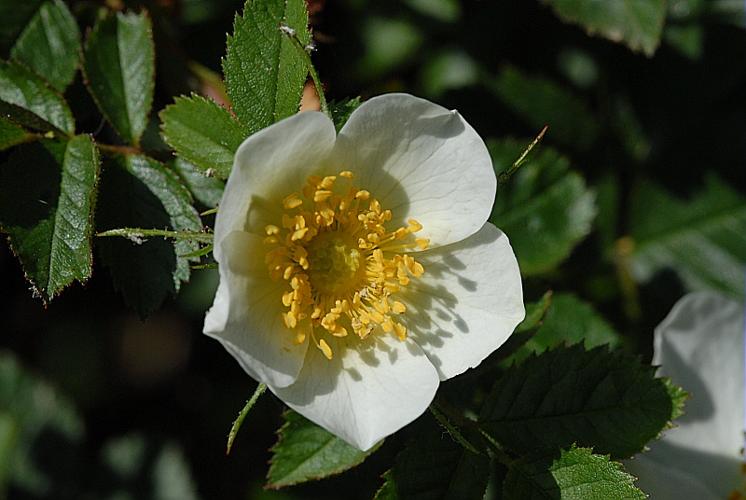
[
  {"x": 505, "y": 176},
  {"x": 242, "y": 415},
  {"x": 135, "y": 234},
  {"x": 119, "y": 150},
  {"x": 293, "y": 37},
  {"x": 451, "y": 429},
  {"x": 497, "y": 450}
]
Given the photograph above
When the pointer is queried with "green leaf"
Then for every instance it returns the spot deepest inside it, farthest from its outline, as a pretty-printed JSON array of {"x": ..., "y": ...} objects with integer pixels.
[
  {"x": 703, "y": 237},
  {"x": 50, "y": 44},
  {"x": 387, "y": 491},
  {"x": 608, "y": 400},
  {"x": 48, "y": 191},
  {"x": 546, "y": 208},
  {"x": 434, "y": 466},
  {"x": 28, "y": 100},
  {"x": 14, "y": 16},
  {"x": 305, "y": 452},
  {"x": 264, "y": 72},
  {"x": 636, "y": 23},
  {"x": 36, "y": 423},
  {"x": 202, "y": 133},
  {"x": 575, "y": 474},
  {"x": 540, "y": 101},
  {"x": 138, "y": 191},
  {"x": 119, "y": 70},
  {"x": 568, "y": 320},
  {"x": 207, "y": 190},
  {"x": 341, "y": 111},
  {"x": 11, "y": 134}
]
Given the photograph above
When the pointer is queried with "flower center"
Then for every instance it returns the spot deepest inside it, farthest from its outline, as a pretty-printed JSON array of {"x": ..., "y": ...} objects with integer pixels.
[
  {"x": 336, "y": 265},
  {"x": 343, "y": 267}
]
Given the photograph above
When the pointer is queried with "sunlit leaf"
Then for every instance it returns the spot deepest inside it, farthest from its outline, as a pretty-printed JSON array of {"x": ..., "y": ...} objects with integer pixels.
[
  {"x": 577, "y": 473},
  {"x": 305, "y": 452},
  {"x": 206, "y": 190},
  {"x": 50, "y": 44},
  {"x": 28, "y": 100},
  {"x": 202, "y": 133},
  {"x": 47, "y": 196},
  {"x": 264, "y": 72},
  {"x": 119, "y": 70}
]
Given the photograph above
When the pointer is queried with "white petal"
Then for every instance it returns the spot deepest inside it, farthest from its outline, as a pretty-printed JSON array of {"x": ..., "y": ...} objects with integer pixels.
[
  {"x": 467, "y": 303},
  {"x": 421, "y": 161},
  {"x": 715, "y": 473},
  {"x": 665, "y": 483},
  {"x": 267, "y": 167},
  {"x": 700, "y": 345},
  {"x": 369, "y": 390},
  {"x": 246, "y": 315}
]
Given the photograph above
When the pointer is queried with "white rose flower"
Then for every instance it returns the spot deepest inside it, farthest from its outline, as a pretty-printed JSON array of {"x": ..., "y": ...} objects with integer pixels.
[
  {"x": 700, "y": 346},
  {"x": 358, "y": 269}
]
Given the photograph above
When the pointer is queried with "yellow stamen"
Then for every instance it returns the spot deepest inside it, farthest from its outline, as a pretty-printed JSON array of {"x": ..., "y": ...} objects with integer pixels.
[{"x": 341, "y": 262}]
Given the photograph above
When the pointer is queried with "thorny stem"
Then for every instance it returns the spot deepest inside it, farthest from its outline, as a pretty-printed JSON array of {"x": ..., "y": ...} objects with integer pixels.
[
  {"x": 135, "y": 233},
  {"x": 121, "y": 150},
  {"x": 293, "y": 37},
  {"x": 448, "y": 413},
  {"x": 452, "y": 430},
  {"x": 505, "y": 176},
  {"x": 242, "y": 415}
]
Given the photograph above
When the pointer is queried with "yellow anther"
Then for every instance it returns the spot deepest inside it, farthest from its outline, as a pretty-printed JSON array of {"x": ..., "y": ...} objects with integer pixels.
[
  {"x": 287, "y": 272},
  {"x": 292, "y": 201},
  {"x": 414, "y": 226},
  {"x": 299, "y": 234},
  {"x": 290, "y": 319},
  {"x": 398, "y": 307},
  {"x": 417, "y": 269},
  {"x": 400, "y": 330},
  {"x": 325, "y": 349},
  {"x": 322, "y": 195},
  {"x": 341, "y": 263},
  {"x": 328, "y": 182}
]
